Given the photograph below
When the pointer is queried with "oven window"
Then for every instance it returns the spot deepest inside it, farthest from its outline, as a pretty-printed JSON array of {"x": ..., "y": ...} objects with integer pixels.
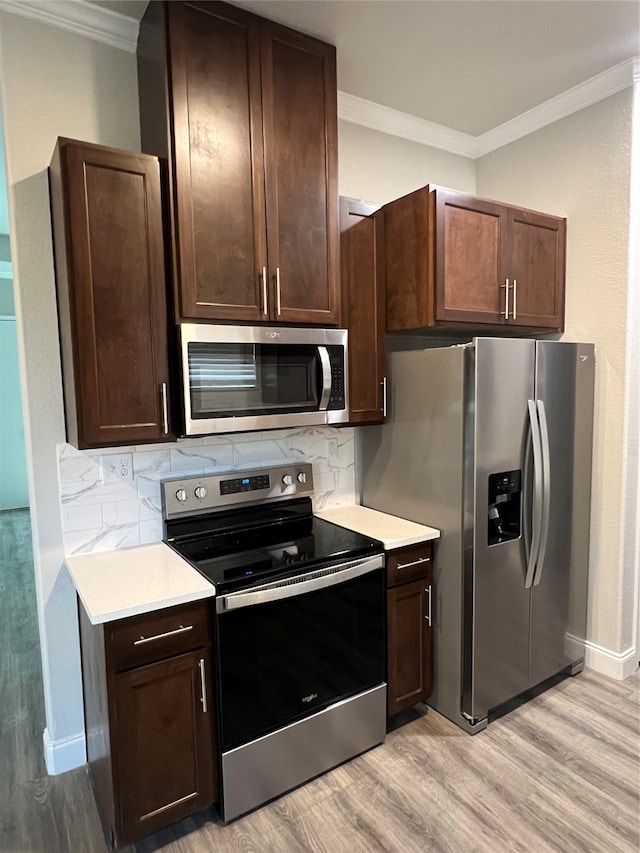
[
  {"x": 284, "y": 660},
  {"x": 252, "y": 379}
]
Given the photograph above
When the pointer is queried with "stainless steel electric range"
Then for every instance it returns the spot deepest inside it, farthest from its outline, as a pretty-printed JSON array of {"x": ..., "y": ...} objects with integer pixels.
[{"x": 299, "y": 644}]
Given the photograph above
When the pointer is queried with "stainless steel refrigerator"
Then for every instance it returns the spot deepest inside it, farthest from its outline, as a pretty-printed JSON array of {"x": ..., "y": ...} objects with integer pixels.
[{"x": 491, "y": 443}]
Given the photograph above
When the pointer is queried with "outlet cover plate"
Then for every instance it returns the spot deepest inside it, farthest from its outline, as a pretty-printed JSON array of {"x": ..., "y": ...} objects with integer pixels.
[{"x": 117, "y": 468}]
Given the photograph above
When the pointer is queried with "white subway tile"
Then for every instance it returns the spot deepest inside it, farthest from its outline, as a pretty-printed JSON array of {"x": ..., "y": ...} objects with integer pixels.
[
  {"x": 120, "y": 512},
  {"x": 81, "y": 518},
  {"x": 211, "y": 456},
  {"x": 151, "y": 462},
  {"x": 150, "y": 531},
  {"x": 103, "y": 539}
]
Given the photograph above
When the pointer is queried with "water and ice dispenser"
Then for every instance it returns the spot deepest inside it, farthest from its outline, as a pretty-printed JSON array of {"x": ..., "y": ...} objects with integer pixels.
[{"x": 505, "y": 498}]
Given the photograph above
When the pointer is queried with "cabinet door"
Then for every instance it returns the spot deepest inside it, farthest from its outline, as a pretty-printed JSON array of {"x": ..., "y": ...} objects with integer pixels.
[
  {"x": 218, "y": 161},
  {"x": 470, "y": 241},
  {"x": 410, "y": 653},
  {"x": 361, "y": 247},
  {"x": 163, "y": 743},
  {"x": 107, "y": 228},
  {"x": 537, "y": 268},
  {"x": 300, "y": 130}
]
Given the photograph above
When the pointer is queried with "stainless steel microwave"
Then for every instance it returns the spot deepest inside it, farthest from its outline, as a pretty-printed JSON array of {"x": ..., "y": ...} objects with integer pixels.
[{"x": 238, "y": 378}]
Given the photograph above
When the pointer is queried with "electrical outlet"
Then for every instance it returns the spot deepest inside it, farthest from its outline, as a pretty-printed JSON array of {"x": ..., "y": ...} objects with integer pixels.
[
  {"x": 333, "y": 448},
  {"x": 117, "y": 468}
]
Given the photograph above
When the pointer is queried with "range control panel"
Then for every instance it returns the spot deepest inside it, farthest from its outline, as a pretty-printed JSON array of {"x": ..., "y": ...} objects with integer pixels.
[{"x": 195, "y": 495}]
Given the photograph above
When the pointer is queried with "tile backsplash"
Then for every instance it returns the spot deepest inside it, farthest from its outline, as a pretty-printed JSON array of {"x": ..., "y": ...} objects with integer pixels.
[{"x": 98, "y": 515}]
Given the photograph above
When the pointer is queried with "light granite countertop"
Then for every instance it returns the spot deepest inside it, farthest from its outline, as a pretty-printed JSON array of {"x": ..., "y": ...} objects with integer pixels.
[
  {"x": 129, "y": 581},
  {"x": 392, "y": 531}
]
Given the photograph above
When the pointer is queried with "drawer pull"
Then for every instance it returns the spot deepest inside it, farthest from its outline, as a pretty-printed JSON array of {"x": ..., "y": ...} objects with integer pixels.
[
  {"x": 181, "y": 630},
  {"x": 203, "y": 686},
  {"x": 413, "y": 563}
]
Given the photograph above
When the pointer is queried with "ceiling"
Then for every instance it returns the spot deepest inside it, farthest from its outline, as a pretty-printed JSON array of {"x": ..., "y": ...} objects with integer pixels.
[{"x": 469, "y": 65}]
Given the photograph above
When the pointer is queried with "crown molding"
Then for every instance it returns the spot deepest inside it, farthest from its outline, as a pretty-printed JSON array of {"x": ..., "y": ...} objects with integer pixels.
[
  {"x": 81, "y": 18},
  {"x": 583, "y": 95},
  {"x": 395, "y": 123},
  {"x": 120, "y": 31}
]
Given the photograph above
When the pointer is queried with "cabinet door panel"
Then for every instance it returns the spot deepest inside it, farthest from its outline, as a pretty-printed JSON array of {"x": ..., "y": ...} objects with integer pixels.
[
  {"x": 537, "y": 265},
  {"x": 111, "y": 293},
  {"x": 218, "y": 168},
  {"x": 165, "y": 765},
  {"x": 300, "y": 120},
  {"x": 409, "y": 645},
  {"x": 470, "y": 233},
  {"x": 362, "y": 262}
]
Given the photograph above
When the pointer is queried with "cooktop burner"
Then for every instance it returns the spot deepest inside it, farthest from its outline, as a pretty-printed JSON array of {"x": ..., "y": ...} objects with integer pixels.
[{"x": 256, "y": 540}]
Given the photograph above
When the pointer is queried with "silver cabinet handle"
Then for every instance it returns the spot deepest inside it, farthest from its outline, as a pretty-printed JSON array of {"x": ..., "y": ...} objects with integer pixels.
[
  {"x": 181, "y": 630},
  {"x": 428, "y": 616},
  {"x": 413, "y": 563},
  {"x": 384, "y": 397},
  {"x": 265, "y": 309},
  {"x": 505, "y": 313},
  {"x": 203, "y": 686},
  {"x": 515, "y": 299},
  {"x": 165, "y": 408},
  {"x": 278, "y": 306}
]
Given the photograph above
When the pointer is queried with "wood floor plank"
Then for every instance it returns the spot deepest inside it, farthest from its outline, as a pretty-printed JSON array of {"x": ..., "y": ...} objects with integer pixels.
[{"x": 560, "y": 774}]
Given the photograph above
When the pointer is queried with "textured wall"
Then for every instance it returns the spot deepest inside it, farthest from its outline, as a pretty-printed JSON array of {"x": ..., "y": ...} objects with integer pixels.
[
  {"x": 54, "y": 84},
  {"x": 378, "y": 167},
  {"x": 580, "y": 168}
]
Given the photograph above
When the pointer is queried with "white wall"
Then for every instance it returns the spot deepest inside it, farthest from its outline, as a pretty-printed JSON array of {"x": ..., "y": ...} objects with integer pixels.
[
  {"x": 580, "y": 168},
  {"x": 13, "y": 471},
  {"x": 378, "y": 167},
  {"x": 54, "y": 84}
]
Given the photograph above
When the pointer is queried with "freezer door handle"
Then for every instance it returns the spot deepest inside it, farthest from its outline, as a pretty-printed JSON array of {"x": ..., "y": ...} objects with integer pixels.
[
  {"x": 546, "y": 489},
  {"x": 536, "y": 517}
]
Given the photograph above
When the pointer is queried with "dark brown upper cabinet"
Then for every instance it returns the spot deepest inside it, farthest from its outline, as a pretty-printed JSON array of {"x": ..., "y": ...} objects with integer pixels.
[
  {"x": 245, "y": 111},
  {"x": 459, "y": 263},
  {"x": 362, "y": 268},
  {"x": 111, "y": 287}
]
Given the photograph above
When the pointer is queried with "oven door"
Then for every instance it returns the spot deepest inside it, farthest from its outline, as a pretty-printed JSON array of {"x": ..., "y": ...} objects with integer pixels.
[
  {"x": 289, "y": 649},
  {"x": 244, "y": 378}
]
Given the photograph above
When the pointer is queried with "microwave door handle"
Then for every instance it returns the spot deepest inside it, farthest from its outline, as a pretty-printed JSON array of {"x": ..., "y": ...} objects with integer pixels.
[{"x": 323, "y": 355}]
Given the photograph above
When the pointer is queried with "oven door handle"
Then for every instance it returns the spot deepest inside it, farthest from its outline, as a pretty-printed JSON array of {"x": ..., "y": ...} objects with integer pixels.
[
  {"x": 323, "y": 355},
  {"x": 299, "y": 585}
]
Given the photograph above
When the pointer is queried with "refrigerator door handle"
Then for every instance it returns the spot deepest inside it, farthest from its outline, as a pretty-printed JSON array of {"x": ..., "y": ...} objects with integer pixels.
[
  {"x": 546, "y": 489},
  {"x": 536, "y": 515}
]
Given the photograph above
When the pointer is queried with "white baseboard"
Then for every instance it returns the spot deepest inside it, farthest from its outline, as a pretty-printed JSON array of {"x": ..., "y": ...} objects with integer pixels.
[
  {"x": 64, "y": 755},
  {"x": 618, "y": 665}
]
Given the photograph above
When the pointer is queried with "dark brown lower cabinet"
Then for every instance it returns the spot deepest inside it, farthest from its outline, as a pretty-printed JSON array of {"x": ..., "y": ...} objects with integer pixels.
[
  {"x": 149, "y": 723},
  {"x": 409, "y": 626}
]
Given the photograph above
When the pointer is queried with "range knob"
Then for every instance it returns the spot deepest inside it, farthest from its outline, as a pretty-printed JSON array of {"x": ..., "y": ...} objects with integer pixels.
[
  {"x": 302, "y": 477},
  {"x": 200, "y": 492},
  {"x": 287, "y": 480},
  {"x": 182, "y": 495}
]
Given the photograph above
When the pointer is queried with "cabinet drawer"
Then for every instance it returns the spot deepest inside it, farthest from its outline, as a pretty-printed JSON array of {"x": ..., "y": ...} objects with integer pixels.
[
  {"x": 154, "y": 636},
  {"x": 409, "y": 564}
]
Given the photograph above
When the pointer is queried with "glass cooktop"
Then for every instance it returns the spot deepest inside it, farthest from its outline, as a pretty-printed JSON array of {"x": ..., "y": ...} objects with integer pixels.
[{"x": 238, "y": 548}]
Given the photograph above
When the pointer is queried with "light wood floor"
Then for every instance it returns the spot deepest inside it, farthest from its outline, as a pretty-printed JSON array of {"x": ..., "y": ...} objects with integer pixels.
[{"x": 557, "y": 775}]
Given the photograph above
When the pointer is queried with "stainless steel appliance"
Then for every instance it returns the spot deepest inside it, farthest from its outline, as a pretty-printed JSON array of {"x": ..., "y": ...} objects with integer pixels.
[
  {"x": 491, "y": 442},
  {"x": 238, "y": 378},
  {"x": 300, "y": 627}
]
